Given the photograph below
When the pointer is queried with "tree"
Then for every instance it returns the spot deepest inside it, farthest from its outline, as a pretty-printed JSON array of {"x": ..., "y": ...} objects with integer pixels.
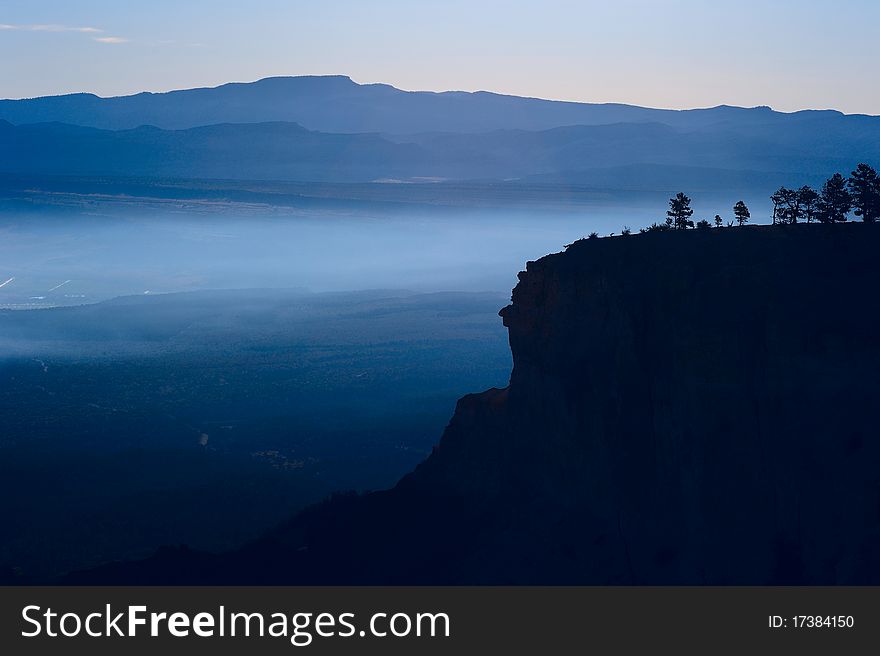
[
  {"x": 741, "y": 212},
  {"x": 703, "y": 223},
  {"x": 680, "y": 212},
  {"x": 834, "y": 201},
  {"x": 864, "y": 188},
  {"x": 718, "y": 221},
  {"x": 778, "y": 199},
  {"x": 791, "y": 209},
  {"x": 787, "y": 207},
  {"x": 808, "y": 199}
]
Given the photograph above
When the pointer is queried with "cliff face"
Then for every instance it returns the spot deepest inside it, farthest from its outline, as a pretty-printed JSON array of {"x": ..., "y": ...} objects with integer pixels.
[{"x": 684, "y": 408}]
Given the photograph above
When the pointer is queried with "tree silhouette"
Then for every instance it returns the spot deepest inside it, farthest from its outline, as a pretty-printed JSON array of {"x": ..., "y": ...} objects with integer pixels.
[
  {"x": 834, "y": 201},
  {"x": 778, "y": 199},
  {"x": 680, "y": 212},
  {"x": 837, "y": 197},
  {"x": 808, "y": 199},
  {"x": 790, "y": 209},
  {"x": 742, "y": 214},
  {"x": 864, "y": 188}
]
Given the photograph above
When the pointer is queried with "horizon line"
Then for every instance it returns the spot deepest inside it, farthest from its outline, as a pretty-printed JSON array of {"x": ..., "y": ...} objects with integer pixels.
[{"x": 438, "y": 92}]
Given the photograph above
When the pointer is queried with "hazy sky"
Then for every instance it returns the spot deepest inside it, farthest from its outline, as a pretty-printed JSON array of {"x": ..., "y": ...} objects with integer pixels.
[{"x": 787, "y": 54}]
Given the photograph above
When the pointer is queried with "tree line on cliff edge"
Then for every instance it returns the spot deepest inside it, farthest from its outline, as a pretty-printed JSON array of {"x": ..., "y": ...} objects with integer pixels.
[{"x": 860, "y": 194}]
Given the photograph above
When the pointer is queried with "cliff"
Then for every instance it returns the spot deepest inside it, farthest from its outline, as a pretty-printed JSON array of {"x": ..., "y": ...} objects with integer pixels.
[{"x": 684, "y": 408}]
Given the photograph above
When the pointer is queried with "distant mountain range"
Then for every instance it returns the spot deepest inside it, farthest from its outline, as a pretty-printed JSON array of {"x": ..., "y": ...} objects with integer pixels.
[
  {"x": 332, "y": 129},
  {"x": 335, "y": 103}
]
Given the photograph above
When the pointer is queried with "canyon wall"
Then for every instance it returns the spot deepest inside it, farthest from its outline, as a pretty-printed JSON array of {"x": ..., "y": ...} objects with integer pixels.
[{"x": 691, "y": 407}]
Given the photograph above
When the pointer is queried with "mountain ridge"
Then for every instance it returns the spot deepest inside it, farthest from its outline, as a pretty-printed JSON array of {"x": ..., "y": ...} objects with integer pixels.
[
  {"x": 283, "y": 150},
  {"x": 314, "y": 102},
  {"x": 331, "y": 129}
]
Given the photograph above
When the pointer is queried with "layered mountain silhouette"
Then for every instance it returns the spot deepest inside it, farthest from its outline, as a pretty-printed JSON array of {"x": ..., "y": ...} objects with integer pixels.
[
  {"x": 685, "y": 408},
  {"x": 332, "y": 129},
  {"x": 640, "y": 155},
  {"x": 338, "y": 104}
]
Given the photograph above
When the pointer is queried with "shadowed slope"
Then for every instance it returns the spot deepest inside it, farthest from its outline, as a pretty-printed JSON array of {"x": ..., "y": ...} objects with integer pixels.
[{"x": 684, "y": 408}]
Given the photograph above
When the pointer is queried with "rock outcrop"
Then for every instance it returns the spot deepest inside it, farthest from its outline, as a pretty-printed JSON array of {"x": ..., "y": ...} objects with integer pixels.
[{"x": 684, "y": 408}]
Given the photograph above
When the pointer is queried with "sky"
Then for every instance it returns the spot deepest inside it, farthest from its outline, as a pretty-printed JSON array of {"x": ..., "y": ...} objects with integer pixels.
[{"x": 787, "y": 54}]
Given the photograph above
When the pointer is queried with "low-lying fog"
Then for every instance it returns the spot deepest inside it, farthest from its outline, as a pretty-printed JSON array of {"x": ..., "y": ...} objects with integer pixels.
[
  {"x": 49, "y": 259},
  {"x": 197, "y": 408}
]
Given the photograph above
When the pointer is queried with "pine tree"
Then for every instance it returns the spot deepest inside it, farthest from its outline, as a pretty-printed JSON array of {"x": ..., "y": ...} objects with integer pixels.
[
  {"x": 718, "y": 221},
  {"x": 864, "y": 188},
  {"x": 741, "y": 212},
  {"x": 790, "y": 208},
  {"x": 778, "y": 199},
  {"x": 808, "y": 199},
  {"x": 834, "y": 201},
  {"x": 680, "y": 212}
]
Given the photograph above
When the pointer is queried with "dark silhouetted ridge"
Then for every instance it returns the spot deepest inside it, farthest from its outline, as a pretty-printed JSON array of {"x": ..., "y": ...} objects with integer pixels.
[
  {"x": 684, "y": 408},
  {"x": 335, "y": 103}
]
